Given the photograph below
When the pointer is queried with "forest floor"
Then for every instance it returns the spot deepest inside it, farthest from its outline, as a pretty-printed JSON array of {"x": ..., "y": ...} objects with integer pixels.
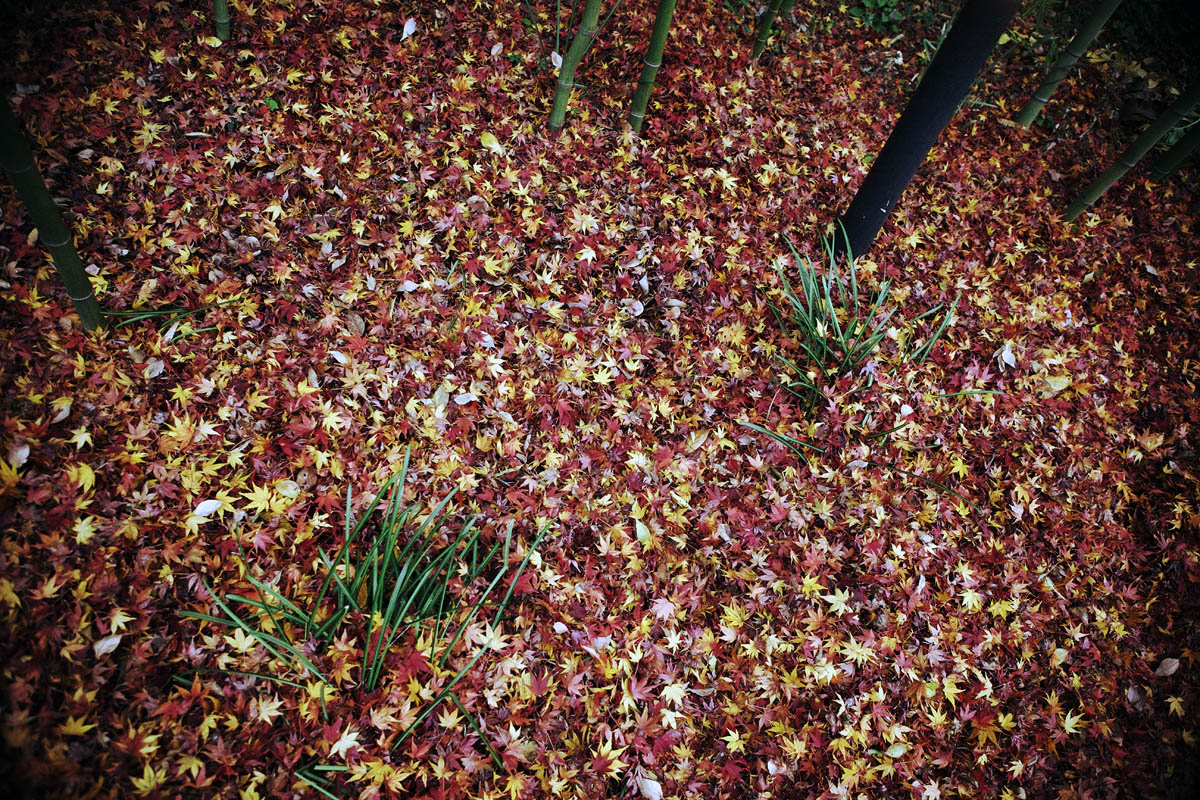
[{"x": 984, "y": 583}]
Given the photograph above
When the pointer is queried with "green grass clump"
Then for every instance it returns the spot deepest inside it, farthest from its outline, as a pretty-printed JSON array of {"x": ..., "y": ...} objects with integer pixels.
[
  {"x": 383, "y": 587},
  {"x": 836, "y": 327}
]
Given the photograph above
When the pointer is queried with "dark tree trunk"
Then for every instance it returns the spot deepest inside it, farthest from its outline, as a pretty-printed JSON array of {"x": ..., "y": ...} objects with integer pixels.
[
  {"x": 764, "y": 28},
  {"x": 1136, "y": 151},
  {"x": 650, "y": 65},
  {"x": 53, "y": 232},
  {"x": 221, "y": 19},
  {"x": 945, "y": 84},
  {"x": 1179, "y": 152},
  {"x": 1067, "y": 59}
]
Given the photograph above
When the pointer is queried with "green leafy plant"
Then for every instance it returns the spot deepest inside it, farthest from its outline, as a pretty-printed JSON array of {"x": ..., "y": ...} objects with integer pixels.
[
  {"x": 882, "y": 15},
  {"x": 836, "y": 326},
  {"x": 407, "y": 578}
]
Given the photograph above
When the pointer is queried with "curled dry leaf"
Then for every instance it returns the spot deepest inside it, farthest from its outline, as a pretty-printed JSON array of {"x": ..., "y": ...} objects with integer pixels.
[
  {"x": 103, "y": 647},
  {"x": 206, "y": 508},
  {"x": 1167, "y": 667},
  {"x": 154, "y": 367},
  {"x": 1137, "y": 699},
  {"x": 650, "y": 788},
  {"x": 18, "y": 454}
]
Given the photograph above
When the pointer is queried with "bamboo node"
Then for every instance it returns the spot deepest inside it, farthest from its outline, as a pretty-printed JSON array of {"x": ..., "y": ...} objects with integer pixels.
[
  {"x": 636, "y": 114},
  {"x": 48, "y": 243},
  {"x": 652, "y": 66},
  {"x": 88, "y": 296}
]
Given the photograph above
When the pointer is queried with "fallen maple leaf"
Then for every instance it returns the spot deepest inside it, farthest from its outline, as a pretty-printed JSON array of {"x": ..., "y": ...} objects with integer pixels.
[
  {"x": 663, "y": 609},
  {"x": 347, "y": 740}
]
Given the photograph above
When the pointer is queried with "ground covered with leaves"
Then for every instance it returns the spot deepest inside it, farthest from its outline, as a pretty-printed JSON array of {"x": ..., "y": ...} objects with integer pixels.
[{"x": 982, "y": 582}]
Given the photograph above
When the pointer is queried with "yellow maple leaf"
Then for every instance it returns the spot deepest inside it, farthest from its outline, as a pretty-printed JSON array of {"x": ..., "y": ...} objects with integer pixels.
[
  {"x": 260, "y": 498},
  {"x": 1071, "y": 722},
  {"x": 347, "y": 740},
  {"x": 612, "y": 755},
  {"x": 971, "y": 600},
  {"x": 241, "y": 641},
  {"x": 75, "y": 726},
  {"x": 734, "y": 742},
  {"x": 119, "y": 620},
  {"x": 8, "y": 476},
  {"x": 151, "y": 779},
  {"x": 190, "y": 763},
  {"x": 674, "y": 692},
  {"x": 80, "y": 437},
  {"x": 7, "y": 595},
  {"x": 1056, "y": 384},
  {"x": 515, "y": 786},
  {"x": 450, "y": 718},
  {"x": 857, "y": 652},
  {"x": 82, "y": 475},
  {"x": 85, "y": 529},
  {"x": 794, "y": 747},
  {"x": 950, "y": 688},
  {"x": 838, "y": 601},
  {"x": 207, "y": 725}
]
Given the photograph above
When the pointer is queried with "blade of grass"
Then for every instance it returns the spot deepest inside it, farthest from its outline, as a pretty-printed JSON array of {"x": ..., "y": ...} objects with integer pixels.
[
  {"x": 529, "y": 554},
  {"x": 436, "y": 701},
  {"x": 265, "y": 606},
  {"x": 474, "y": 610},
  {"x": 317, "y": 783},
  {"x": 787, "y": 441},
  {"x": 478, "y": 731},
  {"x": 923, "y": 351},
  {"x": 272, "y": 678},
  {"x": 969, "y": 391},
  {"x": 268, "y": 642},
  {"x": 888, "y": 432}
]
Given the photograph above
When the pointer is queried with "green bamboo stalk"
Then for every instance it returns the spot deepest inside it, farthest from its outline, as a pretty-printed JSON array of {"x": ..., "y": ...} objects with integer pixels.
[
  {"x": 53, "y": 232},
  {"x": 653, "y": 60},
  {"x": 764, "y": 27},
  {"x": 1169, "y": 161},
  {"x": 787, "y": 6},
  {"x": 221, "y": 19},
  {"x": 575, "y": 53},
  {"x": 1074, "y": 51},
  {"x": 1136, "y": 151}
]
